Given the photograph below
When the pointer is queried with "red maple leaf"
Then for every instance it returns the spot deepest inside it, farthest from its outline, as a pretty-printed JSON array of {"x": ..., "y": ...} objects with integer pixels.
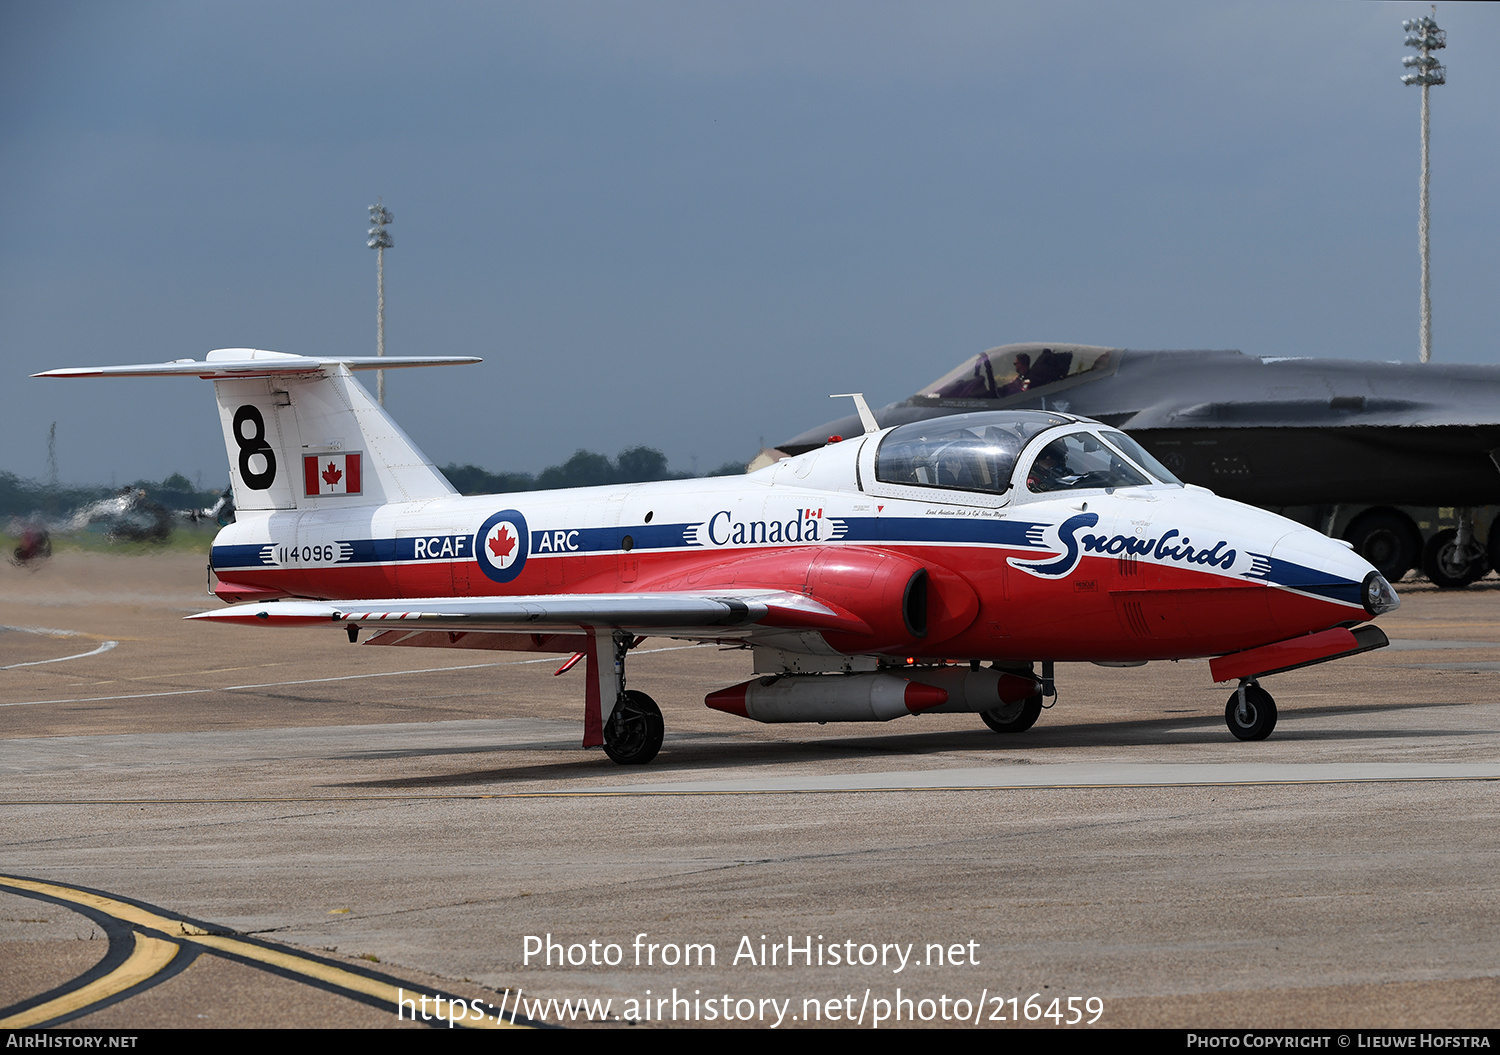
[
  {"x": 502, "y": 544},
  {"x": 332, "y": 475}
]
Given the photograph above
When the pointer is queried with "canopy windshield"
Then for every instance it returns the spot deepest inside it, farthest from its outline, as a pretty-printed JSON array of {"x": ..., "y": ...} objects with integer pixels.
[
  {"x": 1080, "y": 462},
  {"x": 1140, "y": 456},
  {"x": 972, "y": 452},
  {"x": 1017, "y": 370}
]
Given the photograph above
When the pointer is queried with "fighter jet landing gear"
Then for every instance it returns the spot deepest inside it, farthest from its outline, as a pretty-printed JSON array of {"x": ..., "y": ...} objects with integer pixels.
[
  {"x": 633, "y": 734},
  {"x": 633, "y": 731},
  {"x": 1250, "y": 713},
  {"x": 1452, "y": 559}
]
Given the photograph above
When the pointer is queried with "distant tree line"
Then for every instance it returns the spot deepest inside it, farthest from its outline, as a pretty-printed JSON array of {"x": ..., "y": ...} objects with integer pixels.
[
  {"x": 585, "y": 469},
  {"x": 22, "y": 497}
]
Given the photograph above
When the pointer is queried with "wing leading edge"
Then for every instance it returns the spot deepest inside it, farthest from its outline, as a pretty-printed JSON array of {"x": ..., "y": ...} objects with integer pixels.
[{"x": 709, "y": 615}]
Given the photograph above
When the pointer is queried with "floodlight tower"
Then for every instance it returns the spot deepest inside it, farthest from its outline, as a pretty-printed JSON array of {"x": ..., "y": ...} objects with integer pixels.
[
  {"x": 1424, "y": 35},
  {"x": 380, "y": 241}
]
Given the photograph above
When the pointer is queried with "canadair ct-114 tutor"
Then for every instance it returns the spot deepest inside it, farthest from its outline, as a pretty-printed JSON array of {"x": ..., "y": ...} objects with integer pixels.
[{"x": 938, "y": 566}]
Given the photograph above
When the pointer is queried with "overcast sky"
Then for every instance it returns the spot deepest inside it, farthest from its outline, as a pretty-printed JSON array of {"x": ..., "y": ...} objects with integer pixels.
[{"x": 684, "y": 224}]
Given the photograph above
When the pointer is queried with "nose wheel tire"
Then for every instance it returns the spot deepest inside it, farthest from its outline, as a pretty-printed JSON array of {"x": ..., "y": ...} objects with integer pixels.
[
  {"x": 1014, "y": 717},
  {"x": 633, "y": 734},
  {"x": 1252, "y": 718}
]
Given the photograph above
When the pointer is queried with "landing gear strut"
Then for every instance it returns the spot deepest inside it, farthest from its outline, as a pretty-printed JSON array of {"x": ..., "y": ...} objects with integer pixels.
[
  {"x": 1251, "y": 712},
  {"x": 633, "y": 732}
]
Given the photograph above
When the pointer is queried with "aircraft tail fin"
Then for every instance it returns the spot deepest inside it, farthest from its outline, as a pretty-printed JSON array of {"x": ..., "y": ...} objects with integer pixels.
[{"x": 300, "y": 432}]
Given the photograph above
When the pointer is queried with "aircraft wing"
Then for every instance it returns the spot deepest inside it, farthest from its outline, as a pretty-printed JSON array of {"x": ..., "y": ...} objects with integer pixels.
[{"x": 719, "y": 613}]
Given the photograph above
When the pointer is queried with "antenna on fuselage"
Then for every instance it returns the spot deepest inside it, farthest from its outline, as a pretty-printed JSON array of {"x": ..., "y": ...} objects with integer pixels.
[{"x": 866, "y": 418}]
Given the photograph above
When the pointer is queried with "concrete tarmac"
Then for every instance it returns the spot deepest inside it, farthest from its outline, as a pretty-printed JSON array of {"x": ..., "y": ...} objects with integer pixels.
[{"x": 267, "y": 827}]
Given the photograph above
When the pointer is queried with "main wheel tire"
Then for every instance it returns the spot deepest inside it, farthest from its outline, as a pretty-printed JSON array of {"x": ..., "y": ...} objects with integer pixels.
[
  {"x": 1258, "y": 717},
  {"x": 633, "y": 735},
  {"x": 1014, "y": 717},
  {"x": 1388, "y": 540},
  {"x": 1447, "y": 567}
]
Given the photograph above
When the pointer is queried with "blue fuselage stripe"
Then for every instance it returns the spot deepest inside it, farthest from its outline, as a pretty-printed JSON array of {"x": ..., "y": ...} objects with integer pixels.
[
  {"x": 1303, "y": 579},
  {"x": 562, "y": 541}
]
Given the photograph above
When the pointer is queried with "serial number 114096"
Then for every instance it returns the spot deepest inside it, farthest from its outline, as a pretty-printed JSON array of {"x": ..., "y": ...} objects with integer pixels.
[{"x": 325, "y": 553}]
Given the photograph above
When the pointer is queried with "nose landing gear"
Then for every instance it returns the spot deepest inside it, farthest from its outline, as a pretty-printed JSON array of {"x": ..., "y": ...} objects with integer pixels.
[{"x": 1251, "y": 712}]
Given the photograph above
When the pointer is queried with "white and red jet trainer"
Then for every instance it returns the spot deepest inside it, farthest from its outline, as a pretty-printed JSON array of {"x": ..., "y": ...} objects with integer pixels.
[{"x": 925, "y": 568}]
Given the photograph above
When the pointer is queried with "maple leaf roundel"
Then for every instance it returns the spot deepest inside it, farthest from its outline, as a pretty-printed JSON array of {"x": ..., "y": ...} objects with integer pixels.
[{"x": 501, "y": 545}]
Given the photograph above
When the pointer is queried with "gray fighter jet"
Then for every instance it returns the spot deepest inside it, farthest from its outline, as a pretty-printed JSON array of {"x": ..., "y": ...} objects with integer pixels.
[{"x": 1273, "y": 432}]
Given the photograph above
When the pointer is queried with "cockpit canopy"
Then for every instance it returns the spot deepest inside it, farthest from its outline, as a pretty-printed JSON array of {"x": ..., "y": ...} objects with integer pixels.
[
  {"x": 981, "y": 452},
  {"x": 1016, "y": 372},
  {"x": 971, "y": 452}
]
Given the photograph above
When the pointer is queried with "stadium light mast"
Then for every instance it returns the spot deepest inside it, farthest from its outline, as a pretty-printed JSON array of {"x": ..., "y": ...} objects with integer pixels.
[
  {"x": 1424, "y": 35},
  {"x": 380, "y": 241}
]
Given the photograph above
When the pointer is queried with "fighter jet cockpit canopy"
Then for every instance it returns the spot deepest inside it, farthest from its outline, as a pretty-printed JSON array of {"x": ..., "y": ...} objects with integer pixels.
[
  {"x": 979, "y": 452},
  {"x": 1019, "y": 370}
]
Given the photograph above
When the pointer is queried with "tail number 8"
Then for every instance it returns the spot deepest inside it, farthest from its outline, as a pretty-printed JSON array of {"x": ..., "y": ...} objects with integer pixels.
[{"x": 250, "y": 434}]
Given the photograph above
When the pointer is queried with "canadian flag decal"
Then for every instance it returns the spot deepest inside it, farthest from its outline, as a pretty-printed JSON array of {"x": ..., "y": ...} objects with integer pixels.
[{"x": 331, "y": 474}]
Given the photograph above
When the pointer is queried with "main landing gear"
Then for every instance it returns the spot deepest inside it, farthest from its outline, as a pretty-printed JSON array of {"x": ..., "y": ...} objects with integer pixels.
[
  {"x": 633, "y": 732},
  {"x": 1014, "y": 717},
  {"x": 1022, "y": 715},
  {"x": 1250, "y": 712}
]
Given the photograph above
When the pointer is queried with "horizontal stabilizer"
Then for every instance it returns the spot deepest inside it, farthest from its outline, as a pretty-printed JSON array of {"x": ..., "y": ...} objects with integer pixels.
[
  {"x": 254, "y": 362},
  {"x": 301, "y": 432}
]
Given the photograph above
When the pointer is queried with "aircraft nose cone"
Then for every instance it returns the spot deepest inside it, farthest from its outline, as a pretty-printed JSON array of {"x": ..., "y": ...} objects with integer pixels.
[
  {"x": 1379, "y": 596},
  {"x": 1314, "y": 564}
]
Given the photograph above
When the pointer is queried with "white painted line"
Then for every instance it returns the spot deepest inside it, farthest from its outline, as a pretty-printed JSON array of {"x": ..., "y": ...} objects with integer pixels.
[
  {"x": 47, "y": 631},
  {"x": 82, "y": 655}
]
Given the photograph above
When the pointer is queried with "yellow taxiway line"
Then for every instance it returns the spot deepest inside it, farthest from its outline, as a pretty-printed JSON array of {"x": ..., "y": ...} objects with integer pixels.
[
  {"x": 149, "y": 956},
  {"x": 152, "y": 954}
]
